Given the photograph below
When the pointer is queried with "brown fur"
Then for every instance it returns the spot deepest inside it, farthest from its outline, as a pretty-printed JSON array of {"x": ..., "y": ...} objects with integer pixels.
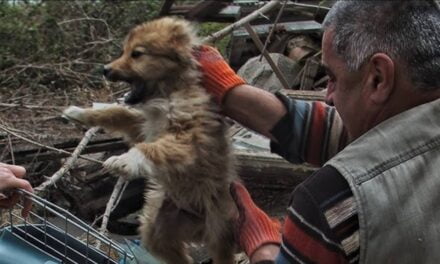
[{"x": 183, "y": 140}]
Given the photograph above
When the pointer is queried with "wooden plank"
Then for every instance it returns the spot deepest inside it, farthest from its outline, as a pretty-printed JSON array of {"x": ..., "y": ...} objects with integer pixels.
[
  {"x": 289, "y": 27},
  {"x": 35, "y": 153},
  {"x": 305, "y": 95},
  {"x": 270, "y": 179},
  {"x": 228, "y": 14}
]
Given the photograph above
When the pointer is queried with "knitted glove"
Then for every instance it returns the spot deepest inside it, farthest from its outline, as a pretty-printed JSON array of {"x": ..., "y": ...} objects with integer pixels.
[
  {"x": 254, "y": 228},
  {"x": 218, "y": 77}
]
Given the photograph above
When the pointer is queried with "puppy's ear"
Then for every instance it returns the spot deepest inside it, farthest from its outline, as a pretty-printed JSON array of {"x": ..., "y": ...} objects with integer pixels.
[
  {"x": 183, "y": 38},
  {"x": 181, "y": 56},
  {"x": 182, "y": 32}
]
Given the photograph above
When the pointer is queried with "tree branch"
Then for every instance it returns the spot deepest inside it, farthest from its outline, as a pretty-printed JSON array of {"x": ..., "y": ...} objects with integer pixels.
[
  {"x": 47, "y": 147},
  {"x": 112, "y": 202},
  {"x": 222, "y": 33},
  {"x": 70, "y": 161}
]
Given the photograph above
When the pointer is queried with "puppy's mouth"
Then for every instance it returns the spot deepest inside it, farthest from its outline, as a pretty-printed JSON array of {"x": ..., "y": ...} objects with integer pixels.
[{"x": 140, "y": 92}]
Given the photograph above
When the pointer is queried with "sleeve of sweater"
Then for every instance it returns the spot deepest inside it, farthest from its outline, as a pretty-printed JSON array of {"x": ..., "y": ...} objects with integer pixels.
[
  {"x": 320, "y": 220},
  {"x": 311, "y": 131}
]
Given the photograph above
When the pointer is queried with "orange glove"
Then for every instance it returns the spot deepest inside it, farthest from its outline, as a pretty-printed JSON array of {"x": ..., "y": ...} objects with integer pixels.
[
  {"x": 218, "y": 77},
  {"x": 254, "y": 227}
]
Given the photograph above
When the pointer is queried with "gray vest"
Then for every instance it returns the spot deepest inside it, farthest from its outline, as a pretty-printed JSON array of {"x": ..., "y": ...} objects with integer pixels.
[{"x": 394, "y": 173}]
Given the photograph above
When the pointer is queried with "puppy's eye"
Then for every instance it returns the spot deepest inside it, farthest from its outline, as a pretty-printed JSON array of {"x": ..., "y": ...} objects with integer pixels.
[{"x": 136, "y": 54}]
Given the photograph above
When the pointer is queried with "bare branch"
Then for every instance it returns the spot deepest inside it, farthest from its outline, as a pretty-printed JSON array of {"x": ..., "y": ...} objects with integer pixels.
[
  {"x": 273, "y": 29},
  {"x": 47, "y": 147},
  {"x": 116, "y": 194},
  {"x": 70, "y": 161},
  {"x": 222, "y": 33},
  {"x": 88, "y": 19},
  {"x": 266, "y": 54}
]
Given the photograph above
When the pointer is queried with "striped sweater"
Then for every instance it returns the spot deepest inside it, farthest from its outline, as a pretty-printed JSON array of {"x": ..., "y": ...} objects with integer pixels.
[{"x": 321, "y": 224}]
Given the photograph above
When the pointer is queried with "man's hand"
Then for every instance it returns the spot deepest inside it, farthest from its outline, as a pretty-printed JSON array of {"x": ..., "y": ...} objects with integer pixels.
[
  {"x": 254, "y": 228},
  {"x": 11, "y": 178},
  {"x": 252, "y": 107},
  {"x": 218, "y": 77}
]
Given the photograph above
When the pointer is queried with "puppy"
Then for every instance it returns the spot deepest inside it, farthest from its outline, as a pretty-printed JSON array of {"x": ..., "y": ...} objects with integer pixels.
[{"x": 179, "y": 140}]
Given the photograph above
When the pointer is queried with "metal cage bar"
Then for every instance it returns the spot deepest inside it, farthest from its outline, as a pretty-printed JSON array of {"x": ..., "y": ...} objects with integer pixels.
[{"x": 57, "y": 240}]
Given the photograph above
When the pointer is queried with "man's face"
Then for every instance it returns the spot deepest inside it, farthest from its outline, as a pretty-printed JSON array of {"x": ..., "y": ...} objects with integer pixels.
[{"x": 344, "y": 89}]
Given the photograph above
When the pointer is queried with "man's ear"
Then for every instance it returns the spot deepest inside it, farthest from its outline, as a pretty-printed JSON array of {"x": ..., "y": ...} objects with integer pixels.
[{"x": 382, "y": 77}]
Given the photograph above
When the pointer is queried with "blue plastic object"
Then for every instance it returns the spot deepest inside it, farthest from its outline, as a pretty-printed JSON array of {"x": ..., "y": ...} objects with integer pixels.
[{"x": 14, "y": 250}]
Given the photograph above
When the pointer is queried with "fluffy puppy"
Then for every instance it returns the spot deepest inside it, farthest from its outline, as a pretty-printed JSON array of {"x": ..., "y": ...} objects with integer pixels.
[{"x": 179, "y": 142}]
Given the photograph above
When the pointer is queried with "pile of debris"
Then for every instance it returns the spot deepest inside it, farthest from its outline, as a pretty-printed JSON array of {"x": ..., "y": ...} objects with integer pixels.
[{"x": 278, "y": 49}]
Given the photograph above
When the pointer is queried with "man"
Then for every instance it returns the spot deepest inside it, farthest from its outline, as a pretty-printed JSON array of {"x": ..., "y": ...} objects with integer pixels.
[
  {"x": 376, "y": 201},
  {"x": 11, "y": 178}
]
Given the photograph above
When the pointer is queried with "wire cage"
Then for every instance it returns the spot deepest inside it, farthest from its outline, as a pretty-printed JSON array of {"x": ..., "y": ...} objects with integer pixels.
[{"x": 52, "y": 235}]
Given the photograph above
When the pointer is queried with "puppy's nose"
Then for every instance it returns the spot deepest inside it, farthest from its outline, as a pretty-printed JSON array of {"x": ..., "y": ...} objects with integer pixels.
[{"x": 106, "y": 70}]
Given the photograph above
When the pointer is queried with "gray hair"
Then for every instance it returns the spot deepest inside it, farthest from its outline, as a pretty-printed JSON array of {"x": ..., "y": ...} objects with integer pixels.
[{"x": 408, "y": 31}]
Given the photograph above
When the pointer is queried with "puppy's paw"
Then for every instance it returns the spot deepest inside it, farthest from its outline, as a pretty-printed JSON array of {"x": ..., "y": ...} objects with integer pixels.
[
  {"x": 132, "y": 164},
  {"x": 75, "y": 113}
]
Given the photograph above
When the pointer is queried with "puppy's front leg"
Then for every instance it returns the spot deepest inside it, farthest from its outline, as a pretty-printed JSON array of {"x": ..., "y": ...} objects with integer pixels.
[
  {"x": 167, "y": 154},
  {"x": 113, "y": 119},
  {"x": 132, "y": 164}
]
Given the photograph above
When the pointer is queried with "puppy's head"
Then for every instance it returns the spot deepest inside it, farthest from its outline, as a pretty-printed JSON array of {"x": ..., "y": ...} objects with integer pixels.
[{"x": 153, "y": 51}]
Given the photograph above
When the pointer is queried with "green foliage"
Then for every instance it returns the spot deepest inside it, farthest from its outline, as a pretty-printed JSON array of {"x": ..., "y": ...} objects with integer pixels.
[
  {"x": 209, "y": 28},
  {"x": 64, "y": 43},
  {"x": 60, "y": 45},
  {"x": 15, "y": 29}
]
